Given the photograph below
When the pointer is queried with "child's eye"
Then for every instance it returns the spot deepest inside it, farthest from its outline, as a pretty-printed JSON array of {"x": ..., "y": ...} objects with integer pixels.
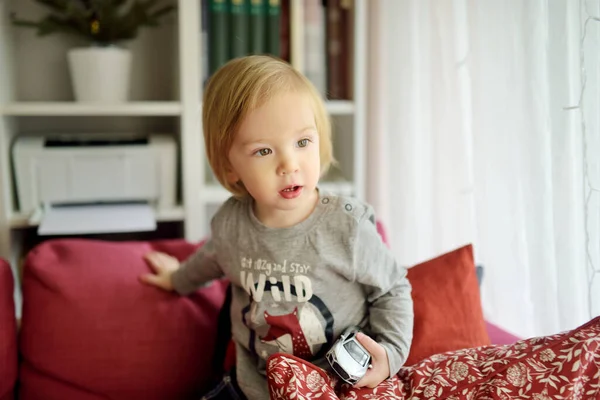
[
  {"x": 263, "y": 152},
  {"x": 303, "y": 143}
]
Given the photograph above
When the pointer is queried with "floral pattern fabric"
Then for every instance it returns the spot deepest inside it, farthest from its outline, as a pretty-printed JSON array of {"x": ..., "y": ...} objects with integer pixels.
[{"x": 562, "y": 366}]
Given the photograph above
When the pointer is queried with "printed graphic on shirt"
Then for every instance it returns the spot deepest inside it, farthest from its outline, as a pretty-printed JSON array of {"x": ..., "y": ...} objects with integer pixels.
[
  {"x": 294, "y": 335},
  {"x": 284, "y": 314}
]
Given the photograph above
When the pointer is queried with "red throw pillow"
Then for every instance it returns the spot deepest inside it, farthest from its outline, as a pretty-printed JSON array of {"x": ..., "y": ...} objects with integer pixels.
[
  {"x": 447, "y": 306},
  {"x": 565, "y": 365},
  {"x": 8, "y": 333},
  {"x": 91, "y": 330}
]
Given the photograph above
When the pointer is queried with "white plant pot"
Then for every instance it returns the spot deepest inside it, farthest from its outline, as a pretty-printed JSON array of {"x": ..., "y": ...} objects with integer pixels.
[{"x": 100, "y": 74}]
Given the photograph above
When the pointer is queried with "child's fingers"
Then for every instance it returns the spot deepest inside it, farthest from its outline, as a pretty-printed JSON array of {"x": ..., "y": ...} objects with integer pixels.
[
  {"x": 152, "y": 263},
  {"x": 372, "y": 378},
  {"x": 151, "y": 279},
  {"x": 156, "y": 261},
  {"x": 374, "y": 348},
  {"x": 166, "y": 259},
  {"x": 379, "y": 361},
  {"x": 364, "y": 381}
]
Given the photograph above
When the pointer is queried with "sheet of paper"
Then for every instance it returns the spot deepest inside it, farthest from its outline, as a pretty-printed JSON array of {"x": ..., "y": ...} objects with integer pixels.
[{"x": 97, "y": 218}]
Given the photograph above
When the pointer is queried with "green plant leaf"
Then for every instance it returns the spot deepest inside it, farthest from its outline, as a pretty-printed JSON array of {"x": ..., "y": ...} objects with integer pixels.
[{"x": 101, "y": 21}]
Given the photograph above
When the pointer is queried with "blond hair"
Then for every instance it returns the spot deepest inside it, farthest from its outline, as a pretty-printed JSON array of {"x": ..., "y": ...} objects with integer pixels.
[{"x": 240, "y": 87}]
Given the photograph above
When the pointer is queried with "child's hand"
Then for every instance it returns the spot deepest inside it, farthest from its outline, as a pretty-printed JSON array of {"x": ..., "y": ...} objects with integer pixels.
[
  {"x": 163, "y": 266},
  {"x": 379, "y": 360}
]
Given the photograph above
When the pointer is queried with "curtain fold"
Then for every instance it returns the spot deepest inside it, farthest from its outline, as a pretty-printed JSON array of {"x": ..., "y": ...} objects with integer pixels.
[{"x": 471, "y": 140}]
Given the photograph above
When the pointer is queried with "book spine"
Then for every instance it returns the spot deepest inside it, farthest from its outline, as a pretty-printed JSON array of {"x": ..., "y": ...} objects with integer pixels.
[
  {"x": 218, "y": 34},
  {"x": 258, "y": 27},
  {"x": 273, "y": 27},
  {"x": 335, "y": 46},
  {"x": 347, "y": 54},
  {"x": 284, "y": 34},
  {"x": 204, "y": 54},
  {"x": 315, "y": 65},
  {"x": 239, "y": 28}
]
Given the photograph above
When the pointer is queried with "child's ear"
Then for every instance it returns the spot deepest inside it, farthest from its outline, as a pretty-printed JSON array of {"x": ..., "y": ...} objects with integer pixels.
[{"x": 232, "y": 176}]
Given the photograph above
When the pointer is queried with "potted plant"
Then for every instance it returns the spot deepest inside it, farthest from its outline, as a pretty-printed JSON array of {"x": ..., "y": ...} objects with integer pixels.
[{"x": 100, "y": 71}]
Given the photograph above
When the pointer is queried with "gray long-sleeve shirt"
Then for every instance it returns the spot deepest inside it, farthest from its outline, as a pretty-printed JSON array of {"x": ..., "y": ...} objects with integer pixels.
[{"x": 296, "y": 289}]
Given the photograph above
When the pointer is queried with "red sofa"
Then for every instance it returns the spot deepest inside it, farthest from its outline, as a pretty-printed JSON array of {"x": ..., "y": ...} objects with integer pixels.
[
  {"x": 8, "y": 334},
  {"x": 90, "y": 330}
]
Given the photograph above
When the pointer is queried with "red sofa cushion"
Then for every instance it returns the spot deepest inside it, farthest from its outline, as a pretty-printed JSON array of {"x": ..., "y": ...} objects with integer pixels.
[
  {"x": 447, "y": 306},
  {"x": 91, "y": 330},
  {"x": 8, "y": 334},
  {"x": 566, "y": 365}
]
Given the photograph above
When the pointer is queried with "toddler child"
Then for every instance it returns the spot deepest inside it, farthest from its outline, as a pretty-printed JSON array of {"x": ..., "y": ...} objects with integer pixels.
[{"x": 304, "y": 264}]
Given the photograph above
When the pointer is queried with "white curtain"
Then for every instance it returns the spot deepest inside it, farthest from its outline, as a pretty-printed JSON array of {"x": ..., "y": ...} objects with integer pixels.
[{"x": 477, "y": 135}]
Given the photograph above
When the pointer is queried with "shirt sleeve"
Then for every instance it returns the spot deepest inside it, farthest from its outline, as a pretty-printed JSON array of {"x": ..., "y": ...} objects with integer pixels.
[
  {"x": 388, "y": 291},
  {"x": 200, "y": 268}
]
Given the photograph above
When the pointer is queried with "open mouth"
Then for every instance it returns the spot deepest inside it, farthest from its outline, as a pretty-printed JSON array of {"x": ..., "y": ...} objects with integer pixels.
[{"x": 291, "y": 192}]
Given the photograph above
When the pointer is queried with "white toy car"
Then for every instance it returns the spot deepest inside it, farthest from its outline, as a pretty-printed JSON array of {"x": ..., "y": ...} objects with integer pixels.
[{"x": 348, "y": 358}]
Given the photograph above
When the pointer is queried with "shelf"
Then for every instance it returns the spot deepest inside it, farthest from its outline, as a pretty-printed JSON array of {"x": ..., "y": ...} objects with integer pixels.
[
  {"x": 334, "y": 107},
  {"x": 214, "y": 193},
  {"x": 66, "y": 108},
  {"x": 340, "y": 107},
  {"x": 170, "y": 214},
  {"x": 20, "y": 220},
  {"x": 141, "y": 108},
  {"x": 340, "y": 188}
]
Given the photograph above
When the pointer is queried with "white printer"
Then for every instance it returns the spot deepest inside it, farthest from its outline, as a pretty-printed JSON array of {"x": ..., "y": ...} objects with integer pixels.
[{"x": 92, "y": 168}]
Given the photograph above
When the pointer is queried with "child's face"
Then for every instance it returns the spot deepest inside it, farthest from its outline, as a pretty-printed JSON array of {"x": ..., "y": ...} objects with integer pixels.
[{"x": 275, "y": 154}]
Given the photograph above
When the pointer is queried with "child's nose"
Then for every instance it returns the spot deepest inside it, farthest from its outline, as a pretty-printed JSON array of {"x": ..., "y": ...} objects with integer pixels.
[{"x": 287, "y": 165}]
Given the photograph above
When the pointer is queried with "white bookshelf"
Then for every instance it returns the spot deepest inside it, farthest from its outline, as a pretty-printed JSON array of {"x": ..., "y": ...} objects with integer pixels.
[
  {"x": 35, "y": 95},
  {"x": 340, "y": 107},
  {"x": 335, "y": 108},
  {"x": 66, "y": 108}
]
